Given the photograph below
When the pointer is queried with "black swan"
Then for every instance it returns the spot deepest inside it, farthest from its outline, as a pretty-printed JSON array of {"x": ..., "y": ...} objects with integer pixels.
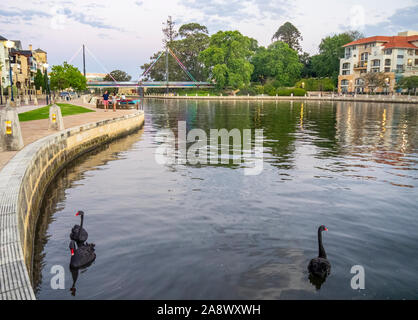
[
  {"x": 81, "y": 256},
  {"x": 78, "y": 233},
  {"x": 320, "y": 267}
]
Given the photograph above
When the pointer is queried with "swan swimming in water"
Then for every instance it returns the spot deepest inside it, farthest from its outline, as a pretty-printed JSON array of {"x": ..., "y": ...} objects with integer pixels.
[
  {"x": 82, "y": 255},
  {"x": 319, "y": 268},
  {"x": 78, "y": 233}
]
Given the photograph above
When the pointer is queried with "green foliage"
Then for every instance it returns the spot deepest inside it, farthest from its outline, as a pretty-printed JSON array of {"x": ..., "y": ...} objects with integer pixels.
[
  {"x": 67, "y": 76},
  {"x": 410, "y": 83},
  {"x": 39, "y": 80},
  {"x": 278, "y": 62},
  {"x": 288, "y": 92},
  {"x": 43, "y": 113},
  {"x": 227, "y": 59},
  {"x": 316, "y": 84},
  {"x": 327, "y": 62},
  {"x": 194, "y": 39},
  {"x": 118, "y": 75},
  {"x": 374, "y": 80},
  {"x": 289, "y": 34}
]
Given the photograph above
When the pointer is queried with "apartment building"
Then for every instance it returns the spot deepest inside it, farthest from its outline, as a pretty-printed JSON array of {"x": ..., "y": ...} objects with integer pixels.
[
  {"x": 25, "y": 64},
  {"x": 395, "y": 56}
]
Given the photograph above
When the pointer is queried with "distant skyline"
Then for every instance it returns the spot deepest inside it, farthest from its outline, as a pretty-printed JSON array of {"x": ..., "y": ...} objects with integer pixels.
[{"x": 123, "y": 34}]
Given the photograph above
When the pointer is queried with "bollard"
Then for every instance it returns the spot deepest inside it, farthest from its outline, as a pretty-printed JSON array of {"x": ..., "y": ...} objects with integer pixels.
[
  {"x": 10, "y": 133},
  {"x": 35, "y": 101},
  {"x": 56, "y": 121},
  {"x": 26, "y": 100}
]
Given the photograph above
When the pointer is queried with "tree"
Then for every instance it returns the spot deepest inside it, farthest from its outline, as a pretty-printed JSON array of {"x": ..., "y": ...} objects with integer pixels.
[
  {"x": 227, "y": 59},
  {"x": 374, "y": 80},
  {"x": 117, "y": 75},
  {"x": 45, "y": 85},
  {"x": 169, "y": 31},
  {"x": 67, "y": 76},
  {"x": 276, "y": 62},
  {"x": 327, "y": 62},
  {"x": 39, "y": 80},
  {"x": 194, "y": 39},
  {"x": 307, "y": 70},
  {"x": 289, "y": 34},
  {"x": 410, "y": 83}
]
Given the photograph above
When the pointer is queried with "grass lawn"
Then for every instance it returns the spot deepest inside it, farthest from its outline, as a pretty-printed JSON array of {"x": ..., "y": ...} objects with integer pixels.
[{"x": 43, "y": 113}]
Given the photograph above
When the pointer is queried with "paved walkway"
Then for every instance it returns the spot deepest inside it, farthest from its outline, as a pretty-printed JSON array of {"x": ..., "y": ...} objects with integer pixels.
[{"x": 34, "y": 130}]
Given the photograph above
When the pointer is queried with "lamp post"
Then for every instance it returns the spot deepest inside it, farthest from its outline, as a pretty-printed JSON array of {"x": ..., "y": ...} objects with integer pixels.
[
  {"x": 47, "y": 83},
  {"x": 9, "y": 45}
]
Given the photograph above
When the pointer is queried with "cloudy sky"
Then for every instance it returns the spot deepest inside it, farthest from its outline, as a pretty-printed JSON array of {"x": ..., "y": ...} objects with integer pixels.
[{"x": 123, "y": 34}]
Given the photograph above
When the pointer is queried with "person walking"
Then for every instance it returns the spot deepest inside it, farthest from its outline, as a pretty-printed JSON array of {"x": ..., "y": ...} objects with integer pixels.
[
  {"x": 114, "y": 101},
  {"x": 106, "y": 100}
]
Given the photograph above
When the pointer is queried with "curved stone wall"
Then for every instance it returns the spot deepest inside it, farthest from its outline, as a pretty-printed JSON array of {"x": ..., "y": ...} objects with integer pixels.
[{"x": 23, "y": 182}]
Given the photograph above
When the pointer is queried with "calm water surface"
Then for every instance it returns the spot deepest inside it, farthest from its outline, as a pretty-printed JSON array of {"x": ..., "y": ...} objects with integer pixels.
[{"x": 210, "y": 232}]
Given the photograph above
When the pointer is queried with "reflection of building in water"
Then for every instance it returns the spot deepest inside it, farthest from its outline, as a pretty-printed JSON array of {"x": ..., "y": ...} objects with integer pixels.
[
  {"x": 381, "y": 133},
  {"x": 56, "y": 194}
]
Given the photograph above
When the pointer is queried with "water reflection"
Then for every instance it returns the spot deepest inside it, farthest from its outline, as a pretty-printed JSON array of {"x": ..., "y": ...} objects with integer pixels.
[
  {"x": 209, "y": 232},
  {"x": 55, "y": 197}
]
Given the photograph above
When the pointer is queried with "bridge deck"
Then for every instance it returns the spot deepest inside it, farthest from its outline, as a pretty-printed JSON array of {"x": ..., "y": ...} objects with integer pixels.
[{"x": 148, "y": 84}]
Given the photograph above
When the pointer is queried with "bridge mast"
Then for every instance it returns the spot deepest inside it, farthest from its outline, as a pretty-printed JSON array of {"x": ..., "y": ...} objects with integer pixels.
[
  {"x": 166, "y": 67},
  {"x": 84, "y": 60}
]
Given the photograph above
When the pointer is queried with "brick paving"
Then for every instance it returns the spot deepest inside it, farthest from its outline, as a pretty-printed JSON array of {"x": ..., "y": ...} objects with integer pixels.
[{"x": 34, "y": 130}]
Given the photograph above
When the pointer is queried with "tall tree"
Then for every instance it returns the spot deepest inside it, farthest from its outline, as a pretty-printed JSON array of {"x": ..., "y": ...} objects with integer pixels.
[
  {"x": 227, "y": 59},
  {"x": 327, "y": 62},
  {"x": 194, "y": 39},
  {"x": 289, "y": 34},
  {"x": 307, "y": 70},
  {"x": 39, "y": 79},
  {"x": 276, "y": 62},
  {"x": 118, "y": 75},
  {"x": 169, "y": 31}
]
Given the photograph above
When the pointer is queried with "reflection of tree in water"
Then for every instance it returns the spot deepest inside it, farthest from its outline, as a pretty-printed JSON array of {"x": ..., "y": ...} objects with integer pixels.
[
  {"x": 337, "y": 130},
  {"x": 55, "y": 194}
]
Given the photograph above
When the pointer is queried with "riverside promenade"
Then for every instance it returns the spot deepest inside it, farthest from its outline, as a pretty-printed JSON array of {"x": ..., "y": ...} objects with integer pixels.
[
  {"x": 34, "y": 130},
  {"x": 25, "y": 175}
]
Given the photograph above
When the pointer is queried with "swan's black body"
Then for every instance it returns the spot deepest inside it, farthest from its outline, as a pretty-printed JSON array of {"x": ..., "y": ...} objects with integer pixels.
[
  {"x": 320, "y": 267},
  {"x": 78, "y": 233},
  {"x": 82, "y": 255}
]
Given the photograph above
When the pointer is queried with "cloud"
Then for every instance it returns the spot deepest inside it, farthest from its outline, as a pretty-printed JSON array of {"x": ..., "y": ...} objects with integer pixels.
[
  {"x": 139, "y": 3},
  {"x": 403, "y": 19},
  {"x": 24, "y": 14}
]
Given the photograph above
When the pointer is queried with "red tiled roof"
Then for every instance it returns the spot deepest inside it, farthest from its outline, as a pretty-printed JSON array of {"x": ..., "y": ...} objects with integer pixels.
[{"x": 389, "y": 42}]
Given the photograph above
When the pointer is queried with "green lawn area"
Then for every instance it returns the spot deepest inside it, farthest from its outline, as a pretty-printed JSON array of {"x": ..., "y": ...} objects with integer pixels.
[{"x": 43, "y": 113}]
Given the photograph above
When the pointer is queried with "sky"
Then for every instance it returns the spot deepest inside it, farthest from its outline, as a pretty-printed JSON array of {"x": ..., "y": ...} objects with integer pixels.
[{"x": 123, "y": 34}]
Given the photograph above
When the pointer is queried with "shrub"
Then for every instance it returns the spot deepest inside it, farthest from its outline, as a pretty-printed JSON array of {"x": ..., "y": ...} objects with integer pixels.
[
  {"x": 299, "y": 92},
  {"x": 284, "y": 92},
  {"x": 270, "y": 89}
]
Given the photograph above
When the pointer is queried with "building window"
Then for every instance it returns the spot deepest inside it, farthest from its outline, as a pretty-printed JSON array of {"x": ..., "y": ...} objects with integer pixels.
[
  {"x": 409, "y": 62},
  {"x": 400, "y": 56},
  {"x": 344, "y": 82},
  {"x": 346, "y": 72},
  {"x": 346, "y": 65},
  {"x": 416, "y": 62},
  {"x": 387, "y": 69},
  {"x": 364, "y": 56},
  {"x": 387, "y": 51},
  {"x": 399, "y": 68},
  {"x": 416, "y": 52},
  {"x": 410, "y": 52},
  {"x": 387, "y": 62},
  {"x": 376, "y": 63}
]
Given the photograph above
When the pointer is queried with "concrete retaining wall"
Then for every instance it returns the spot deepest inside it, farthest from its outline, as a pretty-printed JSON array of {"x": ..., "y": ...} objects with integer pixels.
[{"x": 23, "y": 182}]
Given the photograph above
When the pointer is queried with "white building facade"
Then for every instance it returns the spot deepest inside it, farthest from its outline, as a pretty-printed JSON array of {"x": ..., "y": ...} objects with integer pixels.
[{"x": 395, "y": 56}]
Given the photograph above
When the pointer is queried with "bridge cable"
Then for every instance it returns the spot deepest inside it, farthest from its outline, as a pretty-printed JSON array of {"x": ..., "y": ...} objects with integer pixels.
[
  {"x": 104, "y": 68},
  {"x": 73, "y": 57},
  {"x": 182, "y": 65},
  {"x": 145, "y": 72}
]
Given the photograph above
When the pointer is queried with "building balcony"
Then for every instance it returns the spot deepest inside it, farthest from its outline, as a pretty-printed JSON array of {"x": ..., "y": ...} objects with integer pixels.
[{"x": 361, "y": 65}]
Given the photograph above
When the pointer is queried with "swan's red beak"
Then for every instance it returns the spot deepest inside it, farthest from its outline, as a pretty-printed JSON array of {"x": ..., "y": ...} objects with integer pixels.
[
  {"x": 326, "y": 229},
  {"x": 72, "y": 252},
  {"x": 77, "y": 213}
]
